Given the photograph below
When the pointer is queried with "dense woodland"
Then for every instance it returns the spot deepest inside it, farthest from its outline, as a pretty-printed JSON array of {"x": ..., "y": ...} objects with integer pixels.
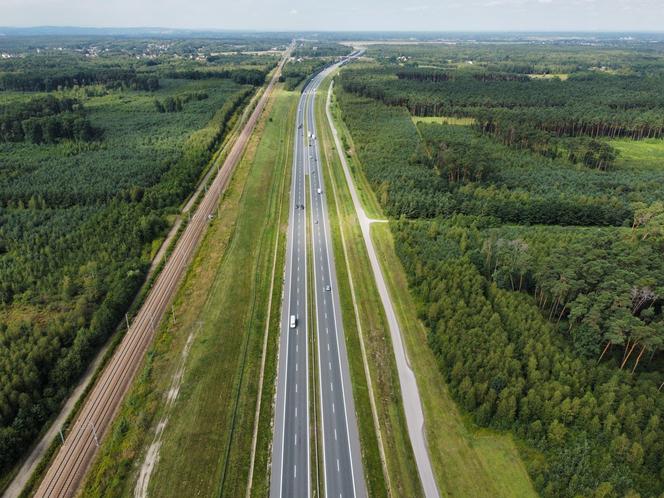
[
  {"x": 593, "y": 103},
  {"x": 454, "y": 169},
  {"x": 83, "y": 212},
  {"x": 308, "y": 58},
  {"x": 299, "y": 70},
  {"x": 46, "y": 81},
  {"x": 598, "y": 426},
  {"x": 46, "y": 120},
  {"x": 320, "y": 49},
  {"x": 533, "y": 249},
  {"x": 239, "y": 75}
]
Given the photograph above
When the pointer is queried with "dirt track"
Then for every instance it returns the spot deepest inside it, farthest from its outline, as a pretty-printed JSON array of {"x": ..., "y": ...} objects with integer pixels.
[{"x": 75, "y": 456}]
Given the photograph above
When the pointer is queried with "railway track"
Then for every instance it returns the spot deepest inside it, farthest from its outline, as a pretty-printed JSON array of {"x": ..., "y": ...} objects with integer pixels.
[{"x": 72, "y": 461}]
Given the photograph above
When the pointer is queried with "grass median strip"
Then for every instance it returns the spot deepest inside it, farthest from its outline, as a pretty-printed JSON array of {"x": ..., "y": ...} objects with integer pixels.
[{"x": 205, "y": 448}]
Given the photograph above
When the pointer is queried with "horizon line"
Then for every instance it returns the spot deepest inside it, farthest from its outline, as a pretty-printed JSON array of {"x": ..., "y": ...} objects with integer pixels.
[{"x": 329, "y": 30}]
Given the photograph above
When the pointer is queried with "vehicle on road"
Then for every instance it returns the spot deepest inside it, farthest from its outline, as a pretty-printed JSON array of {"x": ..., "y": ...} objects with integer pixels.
[
  {"x": 328, "y": 288},
  {"x": 320, "y": 191},
  {"x": 293, "y": 321}
]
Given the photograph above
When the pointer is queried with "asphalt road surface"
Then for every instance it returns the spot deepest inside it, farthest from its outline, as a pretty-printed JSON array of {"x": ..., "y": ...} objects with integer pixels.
[
  {"x": 73, "y": 459},
  {"x": 339, "y": 445}
]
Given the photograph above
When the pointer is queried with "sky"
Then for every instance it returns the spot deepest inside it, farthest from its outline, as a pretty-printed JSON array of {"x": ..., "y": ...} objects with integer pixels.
[{"x": 338, "y": 15}]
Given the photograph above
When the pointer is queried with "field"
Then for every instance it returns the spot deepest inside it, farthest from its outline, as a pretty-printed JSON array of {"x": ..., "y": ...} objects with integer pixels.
[
  {"x": 213, "y": 420},
  {"x": 644, "y": 154},
  {"x": 449, "y": 120},
  {"x": 560, "y": 76},
  {"x": 97, "y": 155},
  {"x": 528, "y": 231},
  {"x": 135, "y": 152}
]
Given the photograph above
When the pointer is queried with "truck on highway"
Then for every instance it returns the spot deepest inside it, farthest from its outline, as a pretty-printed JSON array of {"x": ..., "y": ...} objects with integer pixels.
[{"x": 293, "y": 321}]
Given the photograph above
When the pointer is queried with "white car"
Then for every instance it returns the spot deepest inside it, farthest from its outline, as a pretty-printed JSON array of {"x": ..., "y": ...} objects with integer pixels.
[{"x": 293, "y": 321}]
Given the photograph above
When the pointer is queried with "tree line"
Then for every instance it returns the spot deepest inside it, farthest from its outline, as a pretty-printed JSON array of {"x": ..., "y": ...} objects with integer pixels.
[
  {"x": 586, "y": 104},
  {"x": 320, "y": 49},
  {"x": 46, "y": 120},
  {"x": 56, "y": 79},
  {"x": 242, "y": 76},
  {"x": 176, "y": 104}
]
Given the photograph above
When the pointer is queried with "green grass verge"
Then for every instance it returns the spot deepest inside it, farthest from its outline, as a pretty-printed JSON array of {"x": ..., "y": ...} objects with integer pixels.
[
  {"x": 402, "y": 478},
  {"x": 639, "y": 154},
  {"x": 206, "y": 445},
  {"x": 261, "y": 479}
]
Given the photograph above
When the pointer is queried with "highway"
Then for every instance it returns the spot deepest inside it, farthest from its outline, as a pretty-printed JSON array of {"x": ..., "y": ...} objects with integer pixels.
[
  {"x": 74, "y": 457},
  {"x": 339, "y": 444},
  {"x": 291, "y": 446}
]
